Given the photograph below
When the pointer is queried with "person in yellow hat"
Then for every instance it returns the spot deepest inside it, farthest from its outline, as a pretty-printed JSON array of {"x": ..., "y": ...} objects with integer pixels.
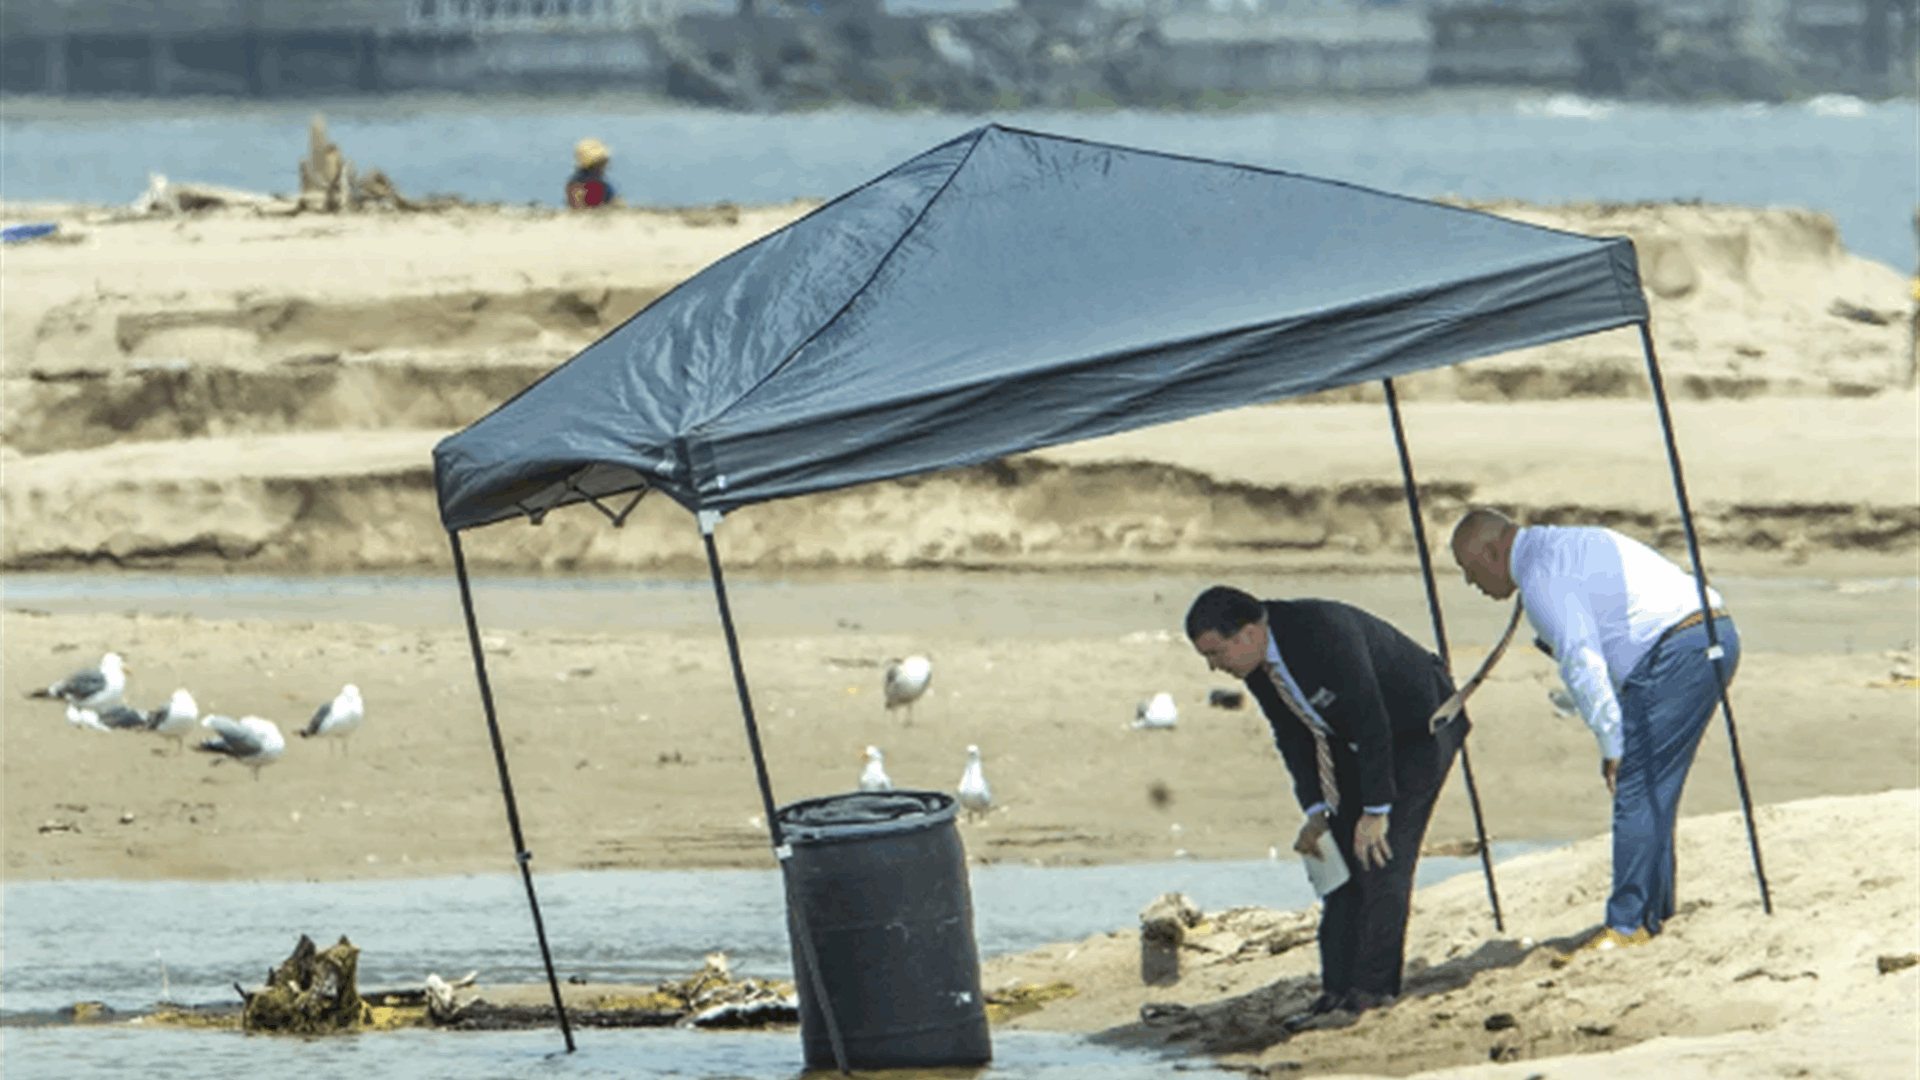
[{"x": 588, "y": 188}]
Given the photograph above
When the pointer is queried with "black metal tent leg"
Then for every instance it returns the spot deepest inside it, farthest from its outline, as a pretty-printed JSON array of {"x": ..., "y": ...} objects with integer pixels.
[
  {"x": 1714, "y": 649},
  {"x": 1440, "y": 637},
  {"x": 521, "y": 855},
  {"x": 797, "y": 912}
]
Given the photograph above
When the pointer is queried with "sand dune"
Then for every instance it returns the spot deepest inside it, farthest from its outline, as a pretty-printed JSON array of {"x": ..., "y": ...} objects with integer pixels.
[
  {"x": 1242, "y": 489},
  {"x": 261, "y": 392}
]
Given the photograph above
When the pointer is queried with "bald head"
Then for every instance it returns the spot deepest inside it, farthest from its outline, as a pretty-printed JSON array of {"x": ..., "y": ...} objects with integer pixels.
[
  {"x": 1482, "y": 545},
  {"x": 1479, "y": 523}
]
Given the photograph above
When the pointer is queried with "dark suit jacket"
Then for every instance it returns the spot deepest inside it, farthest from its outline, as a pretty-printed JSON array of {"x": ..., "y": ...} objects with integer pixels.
[{"x": 1373, "y": 685}]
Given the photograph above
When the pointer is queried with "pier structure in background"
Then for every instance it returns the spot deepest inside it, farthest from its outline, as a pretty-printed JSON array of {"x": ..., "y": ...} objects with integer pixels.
[{"x": 959, "y": 53}]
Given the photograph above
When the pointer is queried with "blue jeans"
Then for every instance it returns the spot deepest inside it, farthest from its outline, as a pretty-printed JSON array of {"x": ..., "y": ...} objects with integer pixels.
[{"x": 1665, "y": 705}]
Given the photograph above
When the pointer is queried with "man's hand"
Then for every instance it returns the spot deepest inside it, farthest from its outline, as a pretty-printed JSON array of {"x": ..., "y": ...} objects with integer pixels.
[
  {"x": 1370, "y": 842},
  {"x": 1610, "y": 769},
  {"x": 1308, "y": 842}
]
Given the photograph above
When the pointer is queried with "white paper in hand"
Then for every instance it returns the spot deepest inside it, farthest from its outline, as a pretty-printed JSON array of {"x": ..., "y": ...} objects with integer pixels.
[{"x": 1326, "y": 871}]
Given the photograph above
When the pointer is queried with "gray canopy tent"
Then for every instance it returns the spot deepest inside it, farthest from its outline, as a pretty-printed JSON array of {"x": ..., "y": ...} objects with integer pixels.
[{"x": 1010, "y": 290}]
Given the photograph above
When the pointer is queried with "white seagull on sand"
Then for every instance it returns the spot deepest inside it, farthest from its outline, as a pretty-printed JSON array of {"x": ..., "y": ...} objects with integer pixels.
[
  {"x": 250, "y": 740},
  {"x": 906, "y": 681},
  {"x": 340, "y": 717},
  {"x": 1161, "y": 712},
  {"x": 87, "y": 719},
  {"x": 176, "y": 718},
  {"x": 874, "y": 777},
  {"x": 92, "y": 688},
  {"x": 975, "y": 796},
  {"x": 113, "y": 717}
]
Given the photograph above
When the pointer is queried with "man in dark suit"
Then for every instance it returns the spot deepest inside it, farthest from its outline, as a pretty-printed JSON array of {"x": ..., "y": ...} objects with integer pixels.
[{"x": 1349, "y": 699}]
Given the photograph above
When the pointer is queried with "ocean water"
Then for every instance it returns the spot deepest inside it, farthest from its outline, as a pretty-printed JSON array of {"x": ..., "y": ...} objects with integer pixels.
[{"x": 1858, "y": 161}]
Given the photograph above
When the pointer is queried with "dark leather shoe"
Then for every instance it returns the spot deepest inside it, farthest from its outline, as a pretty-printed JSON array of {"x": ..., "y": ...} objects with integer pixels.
[{"x": 1322, "y": 1011}]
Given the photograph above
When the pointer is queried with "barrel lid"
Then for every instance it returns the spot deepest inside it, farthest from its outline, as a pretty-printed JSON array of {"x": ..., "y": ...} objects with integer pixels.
[{"x": 864, "y": 813}]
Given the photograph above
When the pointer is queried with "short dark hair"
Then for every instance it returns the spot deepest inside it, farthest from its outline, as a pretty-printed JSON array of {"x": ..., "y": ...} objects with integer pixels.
[{"x": 1224, "y": 610}]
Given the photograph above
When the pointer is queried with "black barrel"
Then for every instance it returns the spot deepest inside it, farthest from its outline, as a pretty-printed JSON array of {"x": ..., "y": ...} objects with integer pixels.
[{"x": 880, "y": 882}]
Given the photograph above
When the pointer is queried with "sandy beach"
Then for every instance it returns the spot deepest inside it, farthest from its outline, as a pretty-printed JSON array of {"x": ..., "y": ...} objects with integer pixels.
[{"x": 238, "y": 393}]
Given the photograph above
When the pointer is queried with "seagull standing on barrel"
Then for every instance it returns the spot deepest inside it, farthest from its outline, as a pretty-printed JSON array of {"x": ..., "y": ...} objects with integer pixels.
[
  {"x": 339, "y": 717},
  {"x": 874, "y": 777},
  {"x": 250, "y": 740},
  {"x": 906, "y": 681},
  {"x": 975, "y": 796},
  {"x": 91, "y": 688}
]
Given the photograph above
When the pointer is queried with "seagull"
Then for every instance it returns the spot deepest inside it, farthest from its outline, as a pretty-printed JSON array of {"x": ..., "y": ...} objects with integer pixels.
[
  {"x": 92, "y": 688},
  {"x": 1158, "y": 713},
  {"x": 874, "y": 777},
  {"x": 975, "y": 796},
  {"x": 249, "y": 740},
  {"x": 118, "y": 717},
  {"x": 174, "y": 719},
  {"x": 86, "y": 718},
  {"x": 906, "y": 681},
  {"x": 339, "y": 717}
]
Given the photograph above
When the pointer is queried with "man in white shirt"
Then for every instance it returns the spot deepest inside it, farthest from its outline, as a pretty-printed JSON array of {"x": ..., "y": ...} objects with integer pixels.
[{"x": 1626, "y": 628}]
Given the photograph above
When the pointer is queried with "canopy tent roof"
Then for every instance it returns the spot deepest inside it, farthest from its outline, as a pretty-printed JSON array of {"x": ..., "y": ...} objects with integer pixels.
[{"x": 1010, "y": 290}]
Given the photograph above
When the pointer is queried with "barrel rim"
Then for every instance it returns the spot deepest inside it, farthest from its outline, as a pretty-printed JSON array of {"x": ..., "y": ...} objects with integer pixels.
[{"x": 944, "y": 811}]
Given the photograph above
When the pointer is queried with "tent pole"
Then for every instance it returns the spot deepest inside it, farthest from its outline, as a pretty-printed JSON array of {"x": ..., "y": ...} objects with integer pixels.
[
  {"x": 1440, "y": 637},
  {"x": 520, "y": 853},
  {"x": 797, "y": 912},
  {"x": 1714, "y": 651}
]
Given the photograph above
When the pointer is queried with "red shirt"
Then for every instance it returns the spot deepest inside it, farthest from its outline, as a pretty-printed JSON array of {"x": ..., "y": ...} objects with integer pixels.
[{"x": 585, "y": 190}]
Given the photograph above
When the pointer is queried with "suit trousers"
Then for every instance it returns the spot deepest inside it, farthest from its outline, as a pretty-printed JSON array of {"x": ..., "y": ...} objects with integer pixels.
[
  {"x": 1665, "y": 705},
  {"x": 1363, "y": 923}
]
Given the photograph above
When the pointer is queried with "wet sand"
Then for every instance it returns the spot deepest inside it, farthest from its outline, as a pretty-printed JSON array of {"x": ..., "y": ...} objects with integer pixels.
[{"x": 628, "y": 750}]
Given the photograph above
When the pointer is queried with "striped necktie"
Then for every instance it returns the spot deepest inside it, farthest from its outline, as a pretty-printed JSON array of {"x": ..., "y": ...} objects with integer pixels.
[{"x": 1322, "y": 752}]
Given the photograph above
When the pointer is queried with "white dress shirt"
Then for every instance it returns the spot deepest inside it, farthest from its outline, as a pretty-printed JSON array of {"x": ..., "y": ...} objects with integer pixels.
[{"x": 1602, "y": 600}]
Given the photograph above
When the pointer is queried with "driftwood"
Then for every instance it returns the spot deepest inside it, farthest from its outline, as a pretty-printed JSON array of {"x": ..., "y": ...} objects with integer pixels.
[
  {"x": 326, "y": 176},
  {"x": 711, "y": 997},
  {"x": 163, "y": 196},
  {"x": 313, "y": 992},
  {"x": 331, "y": 184},
  {"x": 1163, "y": 927}
]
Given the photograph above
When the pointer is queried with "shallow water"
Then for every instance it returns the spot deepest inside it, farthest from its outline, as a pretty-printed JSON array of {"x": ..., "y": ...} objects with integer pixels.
[
  {"x": 1851, "y": 159},
  {"x": 109, "y": 941},
  {"x": 83, "y": 1054},
  {"x": 133, "y": 944},
  {"x": 1799, "y": 615}
]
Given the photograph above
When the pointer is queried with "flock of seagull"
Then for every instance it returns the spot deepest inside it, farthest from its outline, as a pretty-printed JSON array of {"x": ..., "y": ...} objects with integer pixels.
[
  {"x": 907, "y": 679},
  {"x": 974, "y": 794},
  {"x": 905, "y": 682},
  {"x": 94, "y": 698}
]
